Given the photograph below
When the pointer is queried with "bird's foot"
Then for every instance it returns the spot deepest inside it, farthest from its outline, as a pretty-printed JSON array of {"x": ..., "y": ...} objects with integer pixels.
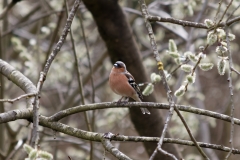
[{"x": 110, "y": 135}]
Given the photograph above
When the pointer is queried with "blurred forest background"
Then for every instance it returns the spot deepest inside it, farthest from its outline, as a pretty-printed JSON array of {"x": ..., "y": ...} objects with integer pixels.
[{"x": 105, "y": 31}]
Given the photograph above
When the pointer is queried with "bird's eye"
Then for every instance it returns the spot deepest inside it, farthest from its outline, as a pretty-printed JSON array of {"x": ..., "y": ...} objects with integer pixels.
[{"x": 117, "y": 65}]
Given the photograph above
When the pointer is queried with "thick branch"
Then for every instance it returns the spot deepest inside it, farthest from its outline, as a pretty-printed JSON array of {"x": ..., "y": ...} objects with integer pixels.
[
  {"x": 19, "y": 79},
  {"x": 93, "y": 136},
  {"x": 44, "y": 121},
  {"x": 21, "y": 114}
]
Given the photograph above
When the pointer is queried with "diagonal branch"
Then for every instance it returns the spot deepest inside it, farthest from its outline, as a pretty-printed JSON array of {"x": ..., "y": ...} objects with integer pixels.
[
  {"x": 8, "y": 8},
  {"x": 113, "y": 150}
]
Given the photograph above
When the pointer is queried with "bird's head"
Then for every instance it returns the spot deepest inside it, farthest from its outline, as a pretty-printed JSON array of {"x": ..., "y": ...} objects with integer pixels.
[{"x": 119, "y": 66}]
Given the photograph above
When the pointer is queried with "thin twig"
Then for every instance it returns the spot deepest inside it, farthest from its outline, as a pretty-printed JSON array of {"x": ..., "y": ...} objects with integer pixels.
[
  {"x": 55, "y": 33},
  {"x": 233, "y": 69},
  {"x": 88, "y": 55},
  {"x": 229, "y": 4},
  {"x": 220, "y": 20},
  {"x": 90, "y": 68},
  {"x": 6, "y": 9},
  {"x": 33, "y": 10},
  {"x": 191, "y": 135},
  {"x": 176, "y": 21},
  {"x": 189, "y": 23},
  {"x": 232, "y": 13},
  {"x": 28, "y": 22},
  {"x": 219, "y": 6},
  {"x": 70, "y": 98},
  {"x": 18, "y": 98}
]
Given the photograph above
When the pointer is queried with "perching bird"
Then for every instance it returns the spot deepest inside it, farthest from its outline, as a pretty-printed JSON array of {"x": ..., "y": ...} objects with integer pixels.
[{"x": 123, "y": 83}]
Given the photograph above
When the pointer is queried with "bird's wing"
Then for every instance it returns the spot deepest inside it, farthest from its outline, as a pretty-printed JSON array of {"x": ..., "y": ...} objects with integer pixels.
[{"x": 132, "y": 82}]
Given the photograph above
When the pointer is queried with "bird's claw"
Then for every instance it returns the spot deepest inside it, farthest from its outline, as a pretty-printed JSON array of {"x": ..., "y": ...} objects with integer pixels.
[{"x": 110, "y": 135}]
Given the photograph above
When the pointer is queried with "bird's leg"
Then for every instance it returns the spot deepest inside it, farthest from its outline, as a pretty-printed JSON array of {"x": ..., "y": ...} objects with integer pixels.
[
  {"x": 120, "y": 100},
  {"x": 126, "y": 99}
]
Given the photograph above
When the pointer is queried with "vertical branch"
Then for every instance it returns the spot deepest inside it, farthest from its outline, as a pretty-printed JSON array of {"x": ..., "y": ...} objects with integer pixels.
[
  {"x": 81, "y": 92},
  {"x": 43, "y": 74},
  {"x": 231, "y": 91}
]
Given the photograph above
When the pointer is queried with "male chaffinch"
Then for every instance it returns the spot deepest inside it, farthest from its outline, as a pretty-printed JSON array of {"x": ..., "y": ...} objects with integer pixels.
[{"x": 123, "y": 83}]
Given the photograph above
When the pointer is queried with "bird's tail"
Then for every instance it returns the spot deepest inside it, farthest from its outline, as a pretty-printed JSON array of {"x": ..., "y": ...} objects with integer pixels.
[{"x": 145, "y": 111}]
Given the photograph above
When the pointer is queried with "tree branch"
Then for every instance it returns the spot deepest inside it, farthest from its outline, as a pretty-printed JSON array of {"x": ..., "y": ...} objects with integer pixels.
[
  {"x": 26, "y": 113},
  {"x": 18, "y": 98},
  {"x": 176, "y": 21},
  {"x": 47, "y": 122},
  {"x": 108, "y": 146},
  {"x": 19, "y": 79}
]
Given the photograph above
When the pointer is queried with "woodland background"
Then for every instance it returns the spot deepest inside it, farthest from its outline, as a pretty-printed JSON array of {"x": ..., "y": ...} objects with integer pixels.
[{"x": 103, "y": 32}]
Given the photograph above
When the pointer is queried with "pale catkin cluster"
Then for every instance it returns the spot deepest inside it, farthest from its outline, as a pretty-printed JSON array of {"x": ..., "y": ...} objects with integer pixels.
[
  {"x": 191, "y": 78},
  {"x": 209, "y": 23},
  {"x": 180, "y": 92},
  {"x": 155, "y": 78},
  {"x": 219, "y": 35},
  {"x": 191, "y": 56},
  {"x": 34, "y": 154},
  {"x": 211, "y": 37},
  {"x": 186, "y": 67},
  {"x": 173, "y": 52},
  {"x": 221, "y": 66},
  {"x": 195, "y": 59},
  {"x": 205, "y": 66},
  {"x": 148, "y": 90},
  {"x": 150, "y": 87},
  {"x": 216, "y": 35}
]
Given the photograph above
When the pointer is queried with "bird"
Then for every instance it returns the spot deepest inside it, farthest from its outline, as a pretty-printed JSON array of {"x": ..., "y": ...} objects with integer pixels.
[{"x": 123, "y": 83}]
